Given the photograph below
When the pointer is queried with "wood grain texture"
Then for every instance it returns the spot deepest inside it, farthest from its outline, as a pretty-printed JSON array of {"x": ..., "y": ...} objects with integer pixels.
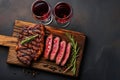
[
  {"x": 8, "y": 40},
  {"x": 43, "y": 64}
]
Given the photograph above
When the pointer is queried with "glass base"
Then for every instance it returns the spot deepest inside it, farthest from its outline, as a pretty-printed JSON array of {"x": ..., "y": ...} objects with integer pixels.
[
  {"x": 46, "y": 22},
  {"x": 64, "y": 25}
]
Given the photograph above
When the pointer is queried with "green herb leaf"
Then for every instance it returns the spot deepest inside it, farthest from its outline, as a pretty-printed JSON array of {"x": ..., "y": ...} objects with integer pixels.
[
  {"x": 75, "y": 50},
  {"x": 28, "y": 39}
]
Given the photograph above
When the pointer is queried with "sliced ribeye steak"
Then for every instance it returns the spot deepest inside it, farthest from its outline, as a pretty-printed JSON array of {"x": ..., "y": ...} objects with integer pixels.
[{"x": 48, "y": 46}]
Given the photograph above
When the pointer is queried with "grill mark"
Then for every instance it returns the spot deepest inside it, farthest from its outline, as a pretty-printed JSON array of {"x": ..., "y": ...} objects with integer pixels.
[{"x": 31, "y": 50}]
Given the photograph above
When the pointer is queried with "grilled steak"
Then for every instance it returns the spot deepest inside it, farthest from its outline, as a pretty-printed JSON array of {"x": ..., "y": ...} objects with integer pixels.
[
  {"x": 55, "y": 48},
  {"x": 48, "y": 46},
  {"x": 67, "y": 54},
  {"x": 31, "y": 50},
  {"x": 61, "y": 52}
]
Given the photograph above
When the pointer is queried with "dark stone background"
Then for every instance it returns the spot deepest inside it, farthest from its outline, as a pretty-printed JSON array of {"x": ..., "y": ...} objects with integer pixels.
[{"x": 98, "y": 19}]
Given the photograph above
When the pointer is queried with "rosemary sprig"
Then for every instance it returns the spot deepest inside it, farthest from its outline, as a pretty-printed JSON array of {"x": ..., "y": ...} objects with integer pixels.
[
  {"x": 75, "y": 50},
  {"x": 26, "y": 40}
]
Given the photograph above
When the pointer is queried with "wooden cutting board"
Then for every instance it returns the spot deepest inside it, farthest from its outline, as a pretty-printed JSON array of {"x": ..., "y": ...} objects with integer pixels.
[{"x": 42, "y": 64}]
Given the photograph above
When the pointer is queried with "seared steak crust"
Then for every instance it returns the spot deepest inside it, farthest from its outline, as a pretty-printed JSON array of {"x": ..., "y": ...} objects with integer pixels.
[{"x": 32, "y": 50}]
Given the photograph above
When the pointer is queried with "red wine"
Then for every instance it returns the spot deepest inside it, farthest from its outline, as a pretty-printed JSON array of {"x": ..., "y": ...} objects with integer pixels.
[
  {"x": 40, "y": 9},
  {"x": 62, "y": 12}
]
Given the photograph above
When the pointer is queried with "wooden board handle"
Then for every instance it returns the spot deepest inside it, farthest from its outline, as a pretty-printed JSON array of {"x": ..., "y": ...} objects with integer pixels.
[{"x": 8, "y": 41}]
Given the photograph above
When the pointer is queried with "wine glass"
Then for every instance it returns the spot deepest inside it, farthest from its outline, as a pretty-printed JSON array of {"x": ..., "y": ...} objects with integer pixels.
[
  {"x": 41, "y": 12},
  {"x": 62, "y": 13}
]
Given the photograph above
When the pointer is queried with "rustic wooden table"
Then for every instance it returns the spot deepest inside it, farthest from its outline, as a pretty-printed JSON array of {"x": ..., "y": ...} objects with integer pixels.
[{"x": 98, "y": 19}]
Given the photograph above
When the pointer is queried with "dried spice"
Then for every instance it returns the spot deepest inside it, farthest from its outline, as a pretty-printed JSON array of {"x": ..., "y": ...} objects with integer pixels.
[
  {"x": 31, "y": 72},
  {"x": 45, "y": 65},
  {"x": 52, "y": 68}
]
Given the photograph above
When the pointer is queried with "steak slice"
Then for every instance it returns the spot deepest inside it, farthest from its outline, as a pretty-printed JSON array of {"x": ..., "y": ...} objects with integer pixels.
[
  {"x": 67, "y": 54},
  {"x": 33, "y": 49},
  {"x": 61, "y": 52},
  {"x": 48, "y": 46},
  {"x": 55, "y": 48}
]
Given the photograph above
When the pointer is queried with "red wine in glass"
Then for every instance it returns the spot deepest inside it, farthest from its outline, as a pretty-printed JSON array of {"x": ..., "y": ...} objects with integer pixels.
[
  {"x": 62, "y": 13},
  {"x": 41, "y": 11}
]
